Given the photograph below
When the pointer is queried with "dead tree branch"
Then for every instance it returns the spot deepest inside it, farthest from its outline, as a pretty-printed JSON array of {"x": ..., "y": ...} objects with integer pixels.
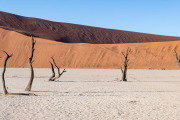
[
  {"x": 59, "y": 74},
  {"x": 3, "y": 78},
  {"x": 29, "y": 86},
  {"x": 125, "y": 64},
  {"x": 56, "y": 66}
]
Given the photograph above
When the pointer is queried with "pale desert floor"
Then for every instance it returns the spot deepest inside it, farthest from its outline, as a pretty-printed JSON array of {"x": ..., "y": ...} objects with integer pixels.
[{"x": 93, "y": 94}]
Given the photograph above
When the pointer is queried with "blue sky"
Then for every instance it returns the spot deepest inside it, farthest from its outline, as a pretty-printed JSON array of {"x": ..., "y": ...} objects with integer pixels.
[{"x": 147, "y": 16}]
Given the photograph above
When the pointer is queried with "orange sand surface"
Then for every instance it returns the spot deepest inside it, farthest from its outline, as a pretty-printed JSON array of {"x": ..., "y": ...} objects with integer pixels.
[{"x": 155, "y": 55}]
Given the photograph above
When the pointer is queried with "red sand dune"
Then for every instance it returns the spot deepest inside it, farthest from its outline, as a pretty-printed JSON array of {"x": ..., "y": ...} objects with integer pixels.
[
  {"x": 155, "y": 55},
  {"x": 71, "y": 33}
]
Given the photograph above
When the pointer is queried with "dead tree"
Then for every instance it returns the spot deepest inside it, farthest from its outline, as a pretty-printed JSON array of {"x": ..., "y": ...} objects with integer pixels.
[
  {"x": 53, "y": 73},
  {"x": 29, "y": 86},
  {"x": 59, "y": 74},
  {"x": 3, "y": 78},
  {"x": 177, "y": 57},
  {"x": 125, "y": 64}
]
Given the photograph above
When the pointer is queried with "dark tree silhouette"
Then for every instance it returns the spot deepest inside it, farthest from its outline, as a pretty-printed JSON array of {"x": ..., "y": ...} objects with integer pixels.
[
  {"x": 53, "y": 74},
  {"x": 29, "y": 86},
  {"x": 125, "y": 64}
]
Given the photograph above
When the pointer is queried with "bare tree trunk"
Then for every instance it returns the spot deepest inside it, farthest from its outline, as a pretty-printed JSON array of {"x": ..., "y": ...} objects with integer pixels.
[
  {"x": 3, "y": 79},
  {"x": 124, "y": 78},
  {"x": 177, "y": 58},
  {"x": 126, "y": 60},
  {"x": 29, "y": 86},
  {"x": 53, "y": 73}
]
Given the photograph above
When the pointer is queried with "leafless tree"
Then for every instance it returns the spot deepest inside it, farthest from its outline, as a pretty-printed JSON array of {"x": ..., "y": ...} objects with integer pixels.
[
  {"x": 59, "y": 74},
  {"x": 177, "y": 57},
  {"x": 125, "y": 64},
  {"x": 3, "y": 78},
  {"x": 29, "y": 86}
]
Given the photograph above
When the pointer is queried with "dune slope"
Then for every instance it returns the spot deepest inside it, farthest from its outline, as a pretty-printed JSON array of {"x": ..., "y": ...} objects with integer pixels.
[
  {"x": 155, "y": 55},
  {"x": 72, "y": 33}
]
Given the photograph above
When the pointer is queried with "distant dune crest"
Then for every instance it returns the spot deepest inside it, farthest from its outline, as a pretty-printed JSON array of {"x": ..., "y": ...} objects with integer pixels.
[{"x": 72, "y": 33}]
